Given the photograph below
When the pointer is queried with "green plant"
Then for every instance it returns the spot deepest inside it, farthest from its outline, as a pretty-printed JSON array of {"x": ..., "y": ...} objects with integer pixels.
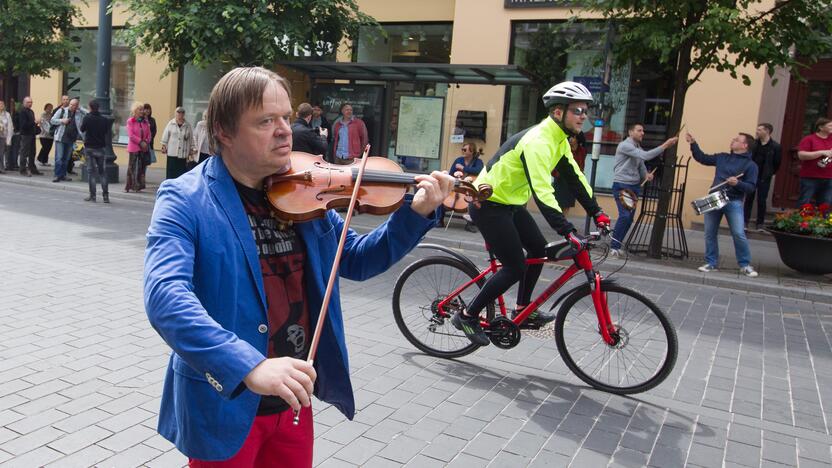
[{"x": 809, "y": 220}]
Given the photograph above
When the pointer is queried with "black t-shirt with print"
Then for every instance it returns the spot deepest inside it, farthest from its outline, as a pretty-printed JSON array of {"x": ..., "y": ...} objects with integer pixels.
[{"x": 282, "y": 256}]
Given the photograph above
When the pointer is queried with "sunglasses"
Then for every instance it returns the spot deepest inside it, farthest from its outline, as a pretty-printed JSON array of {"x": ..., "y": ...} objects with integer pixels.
[{"x": 579, "y": 111}]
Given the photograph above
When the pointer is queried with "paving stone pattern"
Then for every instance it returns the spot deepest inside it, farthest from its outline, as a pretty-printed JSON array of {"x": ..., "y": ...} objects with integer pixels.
[{"x": 81, "y": 370}]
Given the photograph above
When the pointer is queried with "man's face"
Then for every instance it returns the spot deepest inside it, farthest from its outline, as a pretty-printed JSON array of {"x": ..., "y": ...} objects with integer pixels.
[
  {"x": 637, "y": 133},
  {"x": 575, "y": 116},
  {"x": 762, "y": 132},
  {"x": 64, "y": 101},
  {"x": 180, "y": 117},
  {"x": 347, "y": 112},
  {"x": 316, "y": 111},
  {"x": 73, "y": 105},
  {"x": 263, "y": 141},
  {"x": 738, "y": 144},
  {"x": 27, "y": 102}
]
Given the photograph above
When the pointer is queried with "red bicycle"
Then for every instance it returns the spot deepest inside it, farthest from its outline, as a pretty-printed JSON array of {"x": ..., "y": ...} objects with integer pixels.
[{"x": 611, "y": 337}]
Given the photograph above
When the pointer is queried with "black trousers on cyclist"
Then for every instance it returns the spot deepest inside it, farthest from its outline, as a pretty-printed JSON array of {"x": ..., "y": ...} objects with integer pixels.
[{"x": 507, "y": 230}]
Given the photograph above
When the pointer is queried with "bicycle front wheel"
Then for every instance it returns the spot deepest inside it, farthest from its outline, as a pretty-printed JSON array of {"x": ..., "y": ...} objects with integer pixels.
[
  {"x": 645, "y": 349},
  {"x": 419, "y": 290}
]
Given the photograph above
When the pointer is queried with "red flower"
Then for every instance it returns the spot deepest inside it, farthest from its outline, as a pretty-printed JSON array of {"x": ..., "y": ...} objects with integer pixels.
[
  {"x": 807, "y": 206},
  {"x": 804, "y": 225},
  {"x": 823, "y": 208}
]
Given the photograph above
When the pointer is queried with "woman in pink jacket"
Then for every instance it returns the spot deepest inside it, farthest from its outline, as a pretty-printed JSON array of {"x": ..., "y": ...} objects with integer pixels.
[{"x": 138, "y": 131}]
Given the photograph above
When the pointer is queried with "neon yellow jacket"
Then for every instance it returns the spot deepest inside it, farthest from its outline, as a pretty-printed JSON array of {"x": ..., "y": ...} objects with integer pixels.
[{"x": 522, "y": 169}]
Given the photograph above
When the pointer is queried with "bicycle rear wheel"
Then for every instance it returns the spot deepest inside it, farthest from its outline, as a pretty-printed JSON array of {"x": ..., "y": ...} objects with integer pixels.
[
  {"x": 646, "y": 347},
  {"x": 419, "y": 290}
]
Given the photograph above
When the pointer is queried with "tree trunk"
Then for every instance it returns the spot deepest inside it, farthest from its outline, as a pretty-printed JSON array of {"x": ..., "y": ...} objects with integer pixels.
[{"x": 680, "y": 88}]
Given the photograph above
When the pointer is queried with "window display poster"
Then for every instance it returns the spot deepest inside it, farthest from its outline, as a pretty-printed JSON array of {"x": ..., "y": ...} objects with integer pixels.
[
  {"x": 419, "y": 131},
  {"x": 367, "y": 103}
]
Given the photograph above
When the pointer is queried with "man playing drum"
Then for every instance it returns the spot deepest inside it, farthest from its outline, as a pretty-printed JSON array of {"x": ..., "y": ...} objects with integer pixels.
[{"x": 739, "y": 173}]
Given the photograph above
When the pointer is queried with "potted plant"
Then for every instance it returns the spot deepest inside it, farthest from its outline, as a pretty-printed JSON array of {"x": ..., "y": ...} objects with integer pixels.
[{"x": 804, "y": 238}]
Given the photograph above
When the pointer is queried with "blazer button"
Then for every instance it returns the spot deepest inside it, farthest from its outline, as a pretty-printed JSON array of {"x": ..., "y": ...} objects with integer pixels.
[{"x": 262, "y": 328}]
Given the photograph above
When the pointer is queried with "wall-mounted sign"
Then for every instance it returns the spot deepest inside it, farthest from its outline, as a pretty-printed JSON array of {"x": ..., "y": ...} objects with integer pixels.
[
  {"x": 593, "y": 83},
  {"x": 420, "y": 126},
  {"x": 535, "y": 3}
]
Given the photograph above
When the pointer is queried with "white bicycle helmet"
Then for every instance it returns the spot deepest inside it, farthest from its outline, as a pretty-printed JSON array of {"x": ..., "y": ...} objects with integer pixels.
[{"x": 566, "y": 92}]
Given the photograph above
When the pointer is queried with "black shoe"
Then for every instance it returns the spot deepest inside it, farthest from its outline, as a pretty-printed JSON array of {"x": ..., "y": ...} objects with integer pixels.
[
  {"x": 72, "y": 172},
  {"x": 25, "y": 173},
  {"x": 471, "y": 228},
  {"x": 37, "y": 173},
  {"x": 56, "y": 179},
  {"x": 66, "y": 179},
  {"x": 90, "y": 198},
  {"x": 106, "y": 198},
  {"x": 536, "y": 320},
  {"x": 471, "y": 327}
]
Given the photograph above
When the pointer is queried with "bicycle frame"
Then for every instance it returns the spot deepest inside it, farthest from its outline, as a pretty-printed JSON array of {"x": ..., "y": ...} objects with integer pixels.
[{"x": 581, "y": 262}]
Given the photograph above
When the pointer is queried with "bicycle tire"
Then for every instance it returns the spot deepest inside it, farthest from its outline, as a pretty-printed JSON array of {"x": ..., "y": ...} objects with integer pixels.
[
  {"x": 455, "y": 273},
  {"x": 578, "y": 364}
]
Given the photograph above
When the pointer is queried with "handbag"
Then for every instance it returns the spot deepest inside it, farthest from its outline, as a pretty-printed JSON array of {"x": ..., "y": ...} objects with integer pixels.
[{"x": 152, "y": 155}]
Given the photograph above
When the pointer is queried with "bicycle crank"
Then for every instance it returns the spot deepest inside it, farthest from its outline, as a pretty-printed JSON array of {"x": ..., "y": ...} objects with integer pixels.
[{"x": 503, "y": 333}]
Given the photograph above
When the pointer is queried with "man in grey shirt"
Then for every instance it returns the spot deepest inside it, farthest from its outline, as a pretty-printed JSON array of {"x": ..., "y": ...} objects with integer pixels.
[{"x": 630, "y": 172}]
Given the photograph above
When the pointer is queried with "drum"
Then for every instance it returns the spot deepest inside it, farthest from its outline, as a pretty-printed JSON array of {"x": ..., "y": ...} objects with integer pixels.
[
  {"x": 710, "y": 202},
  {"x": 628, "y": 199}
]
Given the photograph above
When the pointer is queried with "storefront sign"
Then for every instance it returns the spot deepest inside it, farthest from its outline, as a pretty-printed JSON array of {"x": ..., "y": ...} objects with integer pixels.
[
  {"x": 535, "y": 3},
  {"x": 595, "y": 84}
]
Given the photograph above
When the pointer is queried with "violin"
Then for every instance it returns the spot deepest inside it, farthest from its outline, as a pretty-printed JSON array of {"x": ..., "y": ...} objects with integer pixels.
[
  {"x": 458, "y": 202},
  {"x": 312, "y": 186}
]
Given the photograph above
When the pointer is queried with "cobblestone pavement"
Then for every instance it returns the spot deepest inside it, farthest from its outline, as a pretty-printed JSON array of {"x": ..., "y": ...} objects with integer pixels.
[{"x": 81, "y": 370}]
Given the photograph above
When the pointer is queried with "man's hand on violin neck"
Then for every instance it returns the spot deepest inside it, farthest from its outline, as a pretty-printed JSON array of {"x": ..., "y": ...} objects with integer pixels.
[
  {"x": 431, "y": 191},
  {"x": 291, "y": 379}
]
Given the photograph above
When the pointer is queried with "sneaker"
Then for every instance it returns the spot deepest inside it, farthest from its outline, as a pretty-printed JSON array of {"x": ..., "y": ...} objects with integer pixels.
[
  {"x": 535, "y": 320},
  {"x": 471, "y": 327},
  {"x": 748, "y": 271},
  {"x": 707, "y": 268},
  {"x": 615, "y": 253},
  {"x": 90, "y": 198}
]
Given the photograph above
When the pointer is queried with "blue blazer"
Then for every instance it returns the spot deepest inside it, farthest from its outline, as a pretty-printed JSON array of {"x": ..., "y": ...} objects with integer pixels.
[{"x": 203, "y": 293}]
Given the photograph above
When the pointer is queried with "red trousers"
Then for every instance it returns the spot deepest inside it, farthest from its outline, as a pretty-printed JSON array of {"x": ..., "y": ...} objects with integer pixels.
[{"x": 272, "y": 441}]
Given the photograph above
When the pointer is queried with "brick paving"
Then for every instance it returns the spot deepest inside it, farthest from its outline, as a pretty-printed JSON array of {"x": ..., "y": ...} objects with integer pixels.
[{"x": 81, "y": 370}]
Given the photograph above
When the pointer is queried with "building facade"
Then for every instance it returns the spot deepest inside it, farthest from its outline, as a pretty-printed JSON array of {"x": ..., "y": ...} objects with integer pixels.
[{"x": 423, "y": 124}]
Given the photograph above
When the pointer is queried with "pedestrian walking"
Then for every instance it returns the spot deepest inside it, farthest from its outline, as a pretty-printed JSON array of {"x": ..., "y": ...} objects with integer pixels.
[
  {"x": 349, "y": 136},
  {"x": 178, "y": 144},
  {"x": 95, "y": 126},
  {"x": 138, "y": 144},
  {"x": 766, "y": 156},
  {"x": 815, "y": 154}
]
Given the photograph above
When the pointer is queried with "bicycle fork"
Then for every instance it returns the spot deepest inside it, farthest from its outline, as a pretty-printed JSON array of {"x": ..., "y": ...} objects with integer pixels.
[{"x": 599, "y": 299}]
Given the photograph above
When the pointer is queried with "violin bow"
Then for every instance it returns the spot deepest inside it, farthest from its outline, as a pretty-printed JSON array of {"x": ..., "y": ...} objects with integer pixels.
[{"x": 333, "y": 274}]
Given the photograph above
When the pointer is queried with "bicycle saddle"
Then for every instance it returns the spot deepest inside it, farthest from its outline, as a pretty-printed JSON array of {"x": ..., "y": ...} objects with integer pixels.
[{"x": 559, "y": 250}]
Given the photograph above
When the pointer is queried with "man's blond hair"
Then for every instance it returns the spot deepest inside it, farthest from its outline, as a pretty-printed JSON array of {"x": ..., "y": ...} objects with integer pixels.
[{"x": 237, "y": 91}]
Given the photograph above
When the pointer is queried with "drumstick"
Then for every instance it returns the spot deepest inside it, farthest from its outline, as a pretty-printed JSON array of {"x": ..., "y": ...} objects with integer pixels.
[
  {"x": 725, "y": 182},
  {"x": 651, "y": 173}
]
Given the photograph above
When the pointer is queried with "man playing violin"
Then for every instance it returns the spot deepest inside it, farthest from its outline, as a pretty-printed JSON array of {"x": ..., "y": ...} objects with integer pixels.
[{"x": 234, "y": 292}]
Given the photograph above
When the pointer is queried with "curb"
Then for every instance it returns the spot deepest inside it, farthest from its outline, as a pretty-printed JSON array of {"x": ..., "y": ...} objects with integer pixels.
[{"x": 147, "y": 197}]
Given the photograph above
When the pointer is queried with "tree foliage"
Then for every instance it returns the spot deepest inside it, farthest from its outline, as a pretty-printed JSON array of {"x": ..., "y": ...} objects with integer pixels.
[
  {"x": 242, "y": 32},
  {"x": 34, "y": 36}
]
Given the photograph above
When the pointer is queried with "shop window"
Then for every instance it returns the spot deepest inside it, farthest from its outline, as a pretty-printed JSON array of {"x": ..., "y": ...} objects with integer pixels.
[
  {"x": 80, "y": 83},
  {"x": 406, "y": 43},
  {"x": 553, "y": 52},
  {"x": 196, "y": 84}
]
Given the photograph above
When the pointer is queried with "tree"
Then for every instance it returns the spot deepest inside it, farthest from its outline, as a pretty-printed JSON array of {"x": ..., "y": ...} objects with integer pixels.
[
  {"x": 35, "y": 36},
  {"x": 692, "y": 36},
  {"x": 242, "y": 32}
]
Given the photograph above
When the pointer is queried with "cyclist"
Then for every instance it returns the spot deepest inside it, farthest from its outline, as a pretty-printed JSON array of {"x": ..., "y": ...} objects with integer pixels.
[{"x": 520, "y": 170}]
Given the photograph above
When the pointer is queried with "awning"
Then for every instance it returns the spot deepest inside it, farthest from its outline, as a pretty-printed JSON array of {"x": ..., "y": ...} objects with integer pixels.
[{"x": 435, "y": 72}]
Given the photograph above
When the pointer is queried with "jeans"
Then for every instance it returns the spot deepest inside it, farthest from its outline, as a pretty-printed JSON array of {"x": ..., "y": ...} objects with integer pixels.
[
  {"x": 96, "y": 159},
  {"x": 761, "y": 194},
  {"x": 625, "y": 216},
  {"x": 63, "y": 151},
  {"x": 734, "y": 214},
  {"x": 814, "y": 188}
]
